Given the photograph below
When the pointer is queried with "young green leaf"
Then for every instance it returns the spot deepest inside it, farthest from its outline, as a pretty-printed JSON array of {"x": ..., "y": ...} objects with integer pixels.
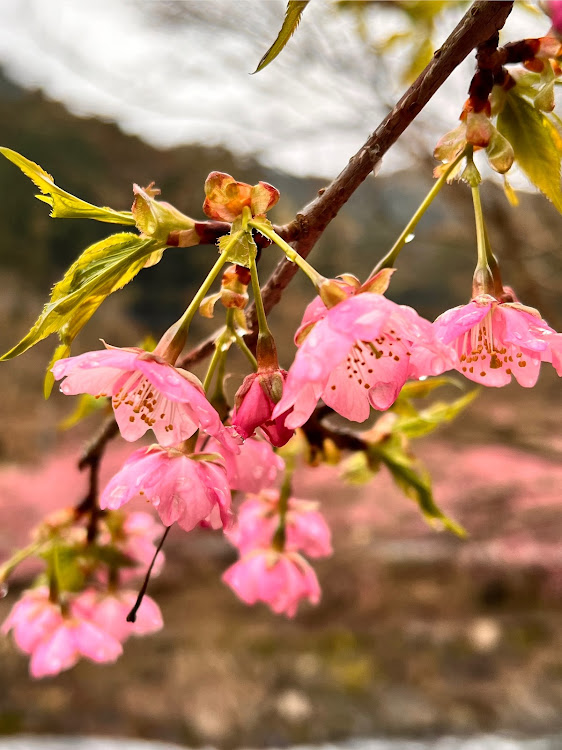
[
  {"x": 102, "y": 268},
  {"x": 413, "y": 479},
  {"x": 64, "y": 205},
  {"x": 535, "y": 140},
  {"x": 428, "y": 420},
  {"x": 239, "y": 245},
  {"x": 292, "y": 19}
]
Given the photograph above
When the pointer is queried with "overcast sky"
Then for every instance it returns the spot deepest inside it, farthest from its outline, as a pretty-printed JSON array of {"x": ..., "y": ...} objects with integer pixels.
[{"x": 177, "y": 71}]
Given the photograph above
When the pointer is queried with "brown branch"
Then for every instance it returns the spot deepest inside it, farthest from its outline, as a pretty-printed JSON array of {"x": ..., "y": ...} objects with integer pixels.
[{"x": 482, "y": 20}]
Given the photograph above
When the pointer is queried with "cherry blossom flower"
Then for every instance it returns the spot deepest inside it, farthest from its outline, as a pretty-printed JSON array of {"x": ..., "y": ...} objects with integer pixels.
[
  {"x": 55, "y": 640},
  {"x": 182, "y": 488},
  {"x": 31, "y": 618},
  {"x": 109, "y": 611},
  {"x": 258, "y": 519},
  {"x": 254, "y": 405},
  {"x": 358, "y": 354},
  {"x": 254, "y": 468},
  {"x": 280, "y": 579},
  {"x": 497, "y": 340},
  {"x": 146, "y": 392},
  {"x": 72, "y": 638}
]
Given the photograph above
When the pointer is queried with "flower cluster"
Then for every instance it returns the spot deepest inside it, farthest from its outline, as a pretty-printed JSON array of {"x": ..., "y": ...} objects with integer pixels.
[
  {"x": 270, "y": 535},
  {"x": 58, "y": 626},
  {"x": 356, "y": 351}
]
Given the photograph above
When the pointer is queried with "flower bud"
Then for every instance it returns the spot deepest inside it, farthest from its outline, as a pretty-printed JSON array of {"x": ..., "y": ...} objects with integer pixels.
[{"x": 157, "y": 219}]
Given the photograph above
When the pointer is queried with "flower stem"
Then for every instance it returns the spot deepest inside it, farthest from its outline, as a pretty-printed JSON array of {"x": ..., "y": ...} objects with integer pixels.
[
  {"x": 263, "y": 327},
  {"x": 316, "y": 278},
  {"x": 390, "y": 258},
  {"x": 10, "y": 565},
  {"x": 483, "y": 282},
  {"x": 180, "y": 329}
]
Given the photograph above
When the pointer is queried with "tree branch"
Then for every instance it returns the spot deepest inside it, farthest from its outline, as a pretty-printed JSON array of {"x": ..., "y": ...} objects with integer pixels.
[{"x": 482, "y": 20}]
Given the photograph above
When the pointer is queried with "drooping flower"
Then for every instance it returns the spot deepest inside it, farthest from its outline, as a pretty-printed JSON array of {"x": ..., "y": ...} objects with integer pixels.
[
  {"x": 56, "y": 641},
  {"x": 280, "y": 579},
  {"x": 109, "y": 611},
  {"x": 358, "y": 354},
  {"x": 497, "y": 340},
  {"x": 147, "y": 392},
  {"x": 72, "y": 638},
  {"x": 254, "y": 404},
  {"x": 31, "y": 617},
  {"x": 258, "y": 520},
  {"x": 182, "y": 488}
]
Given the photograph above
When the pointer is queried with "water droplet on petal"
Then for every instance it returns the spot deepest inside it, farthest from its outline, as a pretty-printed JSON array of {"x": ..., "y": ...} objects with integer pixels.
[
  {"x": 409, "y": 238},
  {"x": 3, "y": 589}
]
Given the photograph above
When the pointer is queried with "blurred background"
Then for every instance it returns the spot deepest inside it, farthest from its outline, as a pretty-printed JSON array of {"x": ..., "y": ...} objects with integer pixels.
[{"x": 418, "y": 634}]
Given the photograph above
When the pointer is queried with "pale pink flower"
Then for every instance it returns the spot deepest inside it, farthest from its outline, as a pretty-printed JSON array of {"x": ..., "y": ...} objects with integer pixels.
[
  {"x": 357, "y": 355},
  {"x": 258, "y": 519},
  {"x": 497, "y": 340},
  {"x": 256, "y": 467},
  {"x": 254, "y": 404},
  {"x": 280, "y": 579},
  {"x": 109, "y": 611},
  {"x": 182, "y": 488},
  {"x": 146, "y": 392},
  {"x": 32, "y": 618}
]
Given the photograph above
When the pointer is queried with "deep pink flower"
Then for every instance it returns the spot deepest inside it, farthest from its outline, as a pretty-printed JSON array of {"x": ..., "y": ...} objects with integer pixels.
[
  {"x": 358, "y": 354},
  {"x": 254, "y": 404},
  {"x": 258, "y": 519},
  {"x": 280, "y": 579},
  {"x": 182, "y": 488},
  {"x": 147, "y": 393},
  {"x": 554, "y": 10},
  {"x": 109, "y": 611},
  {"x": 256, "y": 467},
  {"x": 497, "y": 340}
]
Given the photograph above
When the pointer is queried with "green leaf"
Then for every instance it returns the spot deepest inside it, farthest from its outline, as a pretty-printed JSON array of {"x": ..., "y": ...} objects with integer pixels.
[
  {"x": 102, "y": 268},
  {"x": 64, "y": 205},
  {"x": 63, "y": 562},
  {"x": 292, "y": 19},
  {"x": 535, "y": 142},
  {"x": 357, "y": 468},
  {"x": 428, "y": 420},
  {"x": 413, "y": 479},
  {"x": 422, "y": 388},
  {"x": 239, "y": 245}
]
